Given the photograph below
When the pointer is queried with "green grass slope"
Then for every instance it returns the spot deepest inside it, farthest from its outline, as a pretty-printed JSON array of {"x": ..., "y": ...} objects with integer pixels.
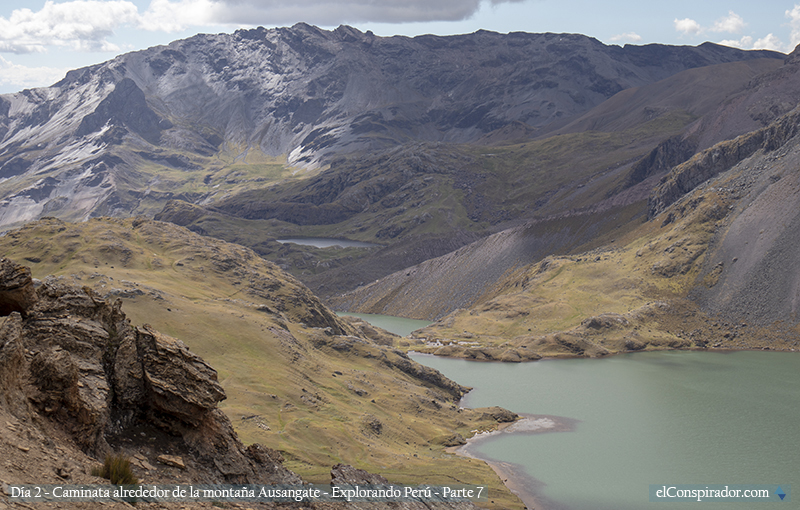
[{"x": 298, "y": 378}]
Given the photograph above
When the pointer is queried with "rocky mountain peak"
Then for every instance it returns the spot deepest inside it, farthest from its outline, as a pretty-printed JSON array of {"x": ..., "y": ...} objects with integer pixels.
[
  {"x": 125, "y": 106},
  {"x": 300, "y": 94}
]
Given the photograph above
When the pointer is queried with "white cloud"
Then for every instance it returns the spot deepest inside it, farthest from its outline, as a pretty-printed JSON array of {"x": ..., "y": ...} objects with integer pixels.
[
  {"x": 744, "y": 43},
  {"x": 174, "y": 15},
  {"x": 732, "y": 24},
  {"x": 168, "y": 16},
  {"x": 687, "y": 26},
  {"x": 21, "y": 77},
  {"x": 630, "y": 36},
  {"x": 794, "y": 23},
  {"x": 770, "y": 42},
  {"x": 79, "y": 24}
]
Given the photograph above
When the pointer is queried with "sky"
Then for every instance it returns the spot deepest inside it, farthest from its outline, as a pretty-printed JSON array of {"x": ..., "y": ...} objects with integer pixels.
[{"x": 41, "y": 40}]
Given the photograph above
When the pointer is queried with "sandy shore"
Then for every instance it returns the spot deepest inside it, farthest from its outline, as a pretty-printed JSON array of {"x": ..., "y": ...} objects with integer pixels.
[{"x": 514, "y": 476}]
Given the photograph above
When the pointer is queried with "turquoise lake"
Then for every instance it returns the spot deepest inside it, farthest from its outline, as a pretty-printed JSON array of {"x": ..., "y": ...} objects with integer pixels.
[
  {"x": 396, "y": 325},
  {"x": 669, "y": 417},
  {"x": 678, "y": 417}
]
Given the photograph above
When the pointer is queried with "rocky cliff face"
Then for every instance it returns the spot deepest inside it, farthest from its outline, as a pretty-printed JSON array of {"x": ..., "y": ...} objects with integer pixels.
[
  {"x": 71, "y": 362},
  {"x": 719, "y": 158},
  {"x": 761, "y": 116},
  {"x": 117, "y": 137}
]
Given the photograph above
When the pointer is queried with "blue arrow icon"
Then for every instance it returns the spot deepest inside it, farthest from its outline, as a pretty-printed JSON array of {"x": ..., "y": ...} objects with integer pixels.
[{"x": 780, "y": 493}]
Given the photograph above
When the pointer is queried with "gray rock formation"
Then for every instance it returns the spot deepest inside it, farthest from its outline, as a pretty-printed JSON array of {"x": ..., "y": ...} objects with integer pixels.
[
  {"x": 96, "y": 378},
  {"x": 723, "y": 156}
]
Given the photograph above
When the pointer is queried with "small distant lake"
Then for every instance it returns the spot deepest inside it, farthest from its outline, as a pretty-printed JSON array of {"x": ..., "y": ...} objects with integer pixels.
[
  {"x": 396, "y": 325},
  {"x": 327, "y": 242}
]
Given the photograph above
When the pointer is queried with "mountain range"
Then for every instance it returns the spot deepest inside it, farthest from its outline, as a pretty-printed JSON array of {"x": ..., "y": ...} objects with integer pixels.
[
  {"x": 213, "y": 115},
  {"x": 464, "y": 159},
  {"x": 533, "y": 194}
]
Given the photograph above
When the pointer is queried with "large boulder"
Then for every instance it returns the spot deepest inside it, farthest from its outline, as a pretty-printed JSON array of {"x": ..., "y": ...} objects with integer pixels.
[{"x": 178, "y": 382}]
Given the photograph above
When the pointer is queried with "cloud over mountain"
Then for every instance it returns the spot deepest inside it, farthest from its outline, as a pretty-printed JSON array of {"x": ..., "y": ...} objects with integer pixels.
[
  {"x": 87, "y": 24},
  {"x": 334, "y": 12}
]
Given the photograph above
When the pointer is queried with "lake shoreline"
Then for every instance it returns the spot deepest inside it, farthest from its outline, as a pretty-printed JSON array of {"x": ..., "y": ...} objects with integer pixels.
[
  {"x": 720, "y": 350},
  {"x": 513, "y": 476}
]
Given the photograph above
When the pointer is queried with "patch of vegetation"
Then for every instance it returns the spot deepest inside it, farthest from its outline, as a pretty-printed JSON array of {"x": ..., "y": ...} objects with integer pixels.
[{"x": 117, "y": 469}]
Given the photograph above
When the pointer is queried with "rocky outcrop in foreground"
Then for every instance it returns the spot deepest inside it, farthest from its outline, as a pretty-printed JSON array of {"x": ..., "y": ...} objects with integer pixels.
[
  {"x": 72, "y": 363},
  {"x": 79, "y": 382}
]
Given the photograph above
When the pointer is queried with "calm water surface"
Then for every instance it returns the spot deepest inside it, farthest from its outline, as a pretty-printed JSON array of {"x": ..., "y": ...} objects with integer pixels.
[
  {"x": 645, "y": 418},
  {"x": 325, "y": 242},
  {"x": 396, "y": 325}
]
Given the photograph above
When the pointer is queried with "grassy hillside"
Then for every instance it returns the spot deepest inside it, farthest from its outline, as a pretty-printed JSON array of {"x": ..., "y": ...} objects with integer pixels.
[
  {"x": 462, "y": 278},
  {"x": 298, "y": 378},
  {"x": 633, "y": 294}
]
